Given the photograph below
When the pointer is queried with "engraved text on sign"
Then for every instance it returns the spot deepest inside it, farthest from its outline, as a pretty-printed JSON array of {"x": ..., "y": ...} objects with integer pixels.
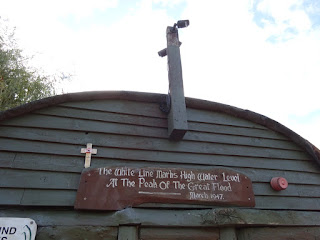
[{"x": 115, "y": 188}]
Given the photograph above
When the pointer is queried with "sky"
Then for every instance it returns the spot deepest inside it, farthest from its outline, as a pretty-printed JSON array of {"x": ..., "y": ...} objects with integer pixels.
[{"x": 260, "y": 55}]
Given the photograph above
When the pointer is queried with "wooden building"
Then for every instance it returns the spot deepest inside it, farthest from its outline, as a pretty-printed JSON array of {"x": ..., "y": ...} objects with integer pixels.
[{"x": 41, "y": 165}]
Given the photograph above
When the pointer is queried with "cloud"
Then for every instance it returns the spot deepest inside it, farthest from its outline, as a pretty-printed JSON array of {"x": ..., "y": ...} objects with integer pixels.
[
  {"x": 282, "y": 20},
  {"x": 227, "y": 58},
  {"x": 123, "y": 55},
  {"x": 53, "y": 9}
]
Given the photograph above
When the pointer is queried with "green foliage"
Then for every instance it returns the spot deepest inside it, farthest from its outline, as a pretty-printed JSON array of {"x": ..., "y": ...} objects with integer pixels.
[{"x": 19, "y": 83}]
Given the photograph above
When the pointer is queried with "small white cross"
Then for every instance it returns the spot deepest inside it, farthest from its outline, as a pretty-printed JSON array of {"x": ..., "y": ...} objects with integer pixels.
[{"x": 88, "y": 151}]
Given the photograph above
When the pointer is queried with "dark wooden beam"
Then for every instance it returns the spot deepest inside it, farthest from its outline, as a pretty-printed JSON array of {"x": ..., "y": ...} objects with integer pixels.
[
  {"x": 177, "y": 118},
  {"x": 171, "y": 218}
]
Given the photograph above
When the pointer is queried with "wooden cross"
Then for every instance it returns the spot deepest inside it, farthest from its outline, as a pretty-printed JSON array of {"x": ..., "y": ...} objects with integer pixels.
[{"x": 88, "y": 151}]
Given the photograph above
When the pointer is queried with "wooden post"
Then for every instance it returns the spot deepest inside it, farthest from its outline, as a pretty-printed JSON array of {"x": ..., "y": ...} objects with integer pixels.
[
  {"x": 177, "y": 118},
  {"x": 128, "y": 233},
  {"x": 228, "y": 233}
]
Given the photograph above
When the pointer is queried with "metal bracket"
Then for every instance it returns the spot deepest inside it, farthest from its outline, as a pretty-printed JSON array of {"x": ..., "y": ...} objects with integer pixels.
[{"x": 166, "y": 105}]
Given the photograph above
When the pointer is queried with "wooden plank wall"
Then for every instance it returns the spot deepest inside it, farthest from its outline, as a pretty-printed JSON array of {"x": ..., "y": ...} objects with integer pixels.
[{"x": 40, "y": 152}]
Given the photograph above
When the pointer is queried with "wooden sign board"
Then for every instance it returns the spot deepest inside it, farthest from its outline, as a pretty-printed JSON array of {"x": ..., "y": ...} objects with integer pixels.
[
  {"x": 17, "y": 229},
  {"x": 115, "y": 188}
]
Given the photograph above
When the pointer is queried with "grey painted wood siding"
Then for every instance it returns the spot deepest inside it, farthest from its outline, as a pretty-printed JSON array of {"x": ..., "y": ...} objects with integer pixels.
[{"x": 41, "y": 163}]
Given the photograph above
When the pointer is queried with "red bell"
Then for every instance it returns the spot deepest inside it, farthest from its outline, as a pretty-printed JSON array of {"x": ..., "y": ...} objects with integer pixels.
[{"x": 279, "y": 183}]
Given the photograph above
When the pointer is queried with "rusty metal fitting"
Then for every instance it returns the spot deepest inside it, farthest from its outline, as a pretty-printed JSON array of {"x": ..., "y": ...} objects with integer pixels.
[{"x": 279, "y": 183}]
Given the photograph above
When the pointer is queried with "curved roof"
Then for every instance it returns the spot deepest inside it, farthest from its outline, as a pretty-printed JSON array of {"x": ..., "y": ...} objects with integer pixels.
[{"x": 158, "y": 98}]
